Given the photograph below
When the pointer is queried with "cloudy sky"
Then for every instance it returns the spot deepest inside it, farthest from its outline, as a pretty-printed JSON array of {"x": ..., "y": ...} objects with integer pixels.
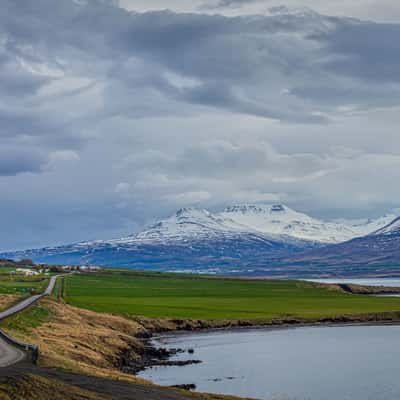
[{"x": 114, "y": 113}]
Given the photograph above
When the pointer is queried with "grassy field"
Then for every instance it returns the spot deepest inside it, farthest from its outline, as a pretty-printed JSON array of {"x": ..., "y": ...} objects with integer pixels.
[
  {"x": 18, "y": 284},
  {"x": 6, "y": 270},
  {"x": 188, "y": 297}
]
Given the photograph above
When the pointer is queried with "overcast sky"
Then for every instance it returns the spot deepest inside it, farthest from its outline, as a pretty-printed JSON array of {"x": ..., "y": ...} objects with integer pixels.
[{"x": 113, "y": 114}]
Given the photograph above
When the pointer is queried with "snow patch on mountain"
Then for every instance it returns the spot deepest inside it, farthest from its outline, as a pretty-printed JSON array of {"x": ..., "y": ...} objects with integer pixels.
[
  {"x": 390, "y": 229},
  {"x": 278, "y": 219}
]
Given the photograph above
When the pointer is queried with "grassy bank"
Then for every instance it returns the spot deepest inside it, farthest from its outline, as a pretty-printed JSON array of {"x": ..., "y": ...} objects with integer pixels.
[
  {"x": 190, "y": 297},
  {"x": 82, "y": 357}
]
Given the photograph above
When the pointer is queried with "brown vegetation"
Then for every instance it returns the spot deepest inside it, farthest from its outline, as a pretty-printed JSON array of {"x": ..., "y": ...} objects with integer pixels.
[
  {"x": 6, "y": 300},
  {"x": 83, "y": 341},
  {"x": 35, "y": 387}
]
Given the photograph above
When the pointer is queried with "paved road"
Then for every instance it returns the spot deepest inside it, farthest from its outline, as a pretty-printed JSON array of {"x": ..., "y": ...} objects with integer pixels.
[
  {"x": 9, "y": 354},
  {"x": 29, "y": 301}
]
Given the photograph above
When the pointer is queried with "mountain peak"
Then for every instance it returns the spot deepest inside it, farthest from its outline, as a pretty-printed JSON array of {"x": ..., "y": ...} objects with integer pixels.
[
  {"x": 190, "y": 211},
  {"x": 256, "y": 208}
]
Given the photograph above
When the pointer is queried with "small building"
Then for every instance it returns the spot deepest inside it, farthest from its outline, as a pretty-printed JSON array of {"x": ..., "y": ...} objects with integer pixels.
[
  {"x": 27, "y": 272},
  {"x": 89, "y": 268}
]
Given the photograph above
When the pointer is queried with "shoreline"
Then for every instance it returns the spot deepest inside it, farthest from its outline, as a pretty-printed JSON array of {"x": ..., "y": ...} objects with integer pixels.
[
  {"x": 153, "y": 355},
  {"x": 273, "y": 328},
  {"x": 192, "y": 387}
]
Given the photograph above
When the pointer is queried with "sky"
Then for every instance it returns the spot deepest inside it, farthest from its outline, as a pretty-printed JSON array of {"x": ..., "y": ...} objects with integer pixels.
[{"x": 116, "y": 113}]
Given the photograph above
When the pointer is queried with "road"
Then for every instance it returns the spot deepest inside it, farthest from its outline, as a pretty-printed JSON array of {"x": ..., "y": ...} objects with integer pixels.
[
  {"x": 9, "y": 354},
  {"x": 29, "y": 301}
]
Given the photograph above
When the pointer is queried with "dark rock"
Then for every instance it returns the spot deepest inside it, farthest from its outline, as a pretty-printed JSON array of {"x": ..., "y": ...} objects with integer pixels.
[
  {"x": 186, "y": 386},
  {"x": 180, "y": 363}
]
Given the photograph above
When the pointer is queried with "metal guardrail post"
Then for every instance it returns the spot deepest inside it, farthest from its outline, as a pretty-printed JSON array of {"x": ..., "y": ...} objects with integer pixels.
[{"x": 35, "y": 354}]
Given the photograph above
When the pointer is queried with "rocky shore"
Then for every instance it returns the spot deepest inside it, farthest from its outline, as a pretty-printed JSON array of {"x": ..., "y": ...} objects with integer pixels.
[
  {"x": 146, "y": 355},
  {"x": 150, "y": 356},
  {"x": 358, "y": 289}
]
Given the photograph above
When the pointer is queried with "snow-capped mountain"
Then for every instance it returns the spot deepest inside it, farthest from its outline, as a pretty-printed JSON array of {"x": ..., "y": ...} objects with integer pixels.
[
  {"x": 190, "y": 240},
  {"x": 278, "y": 219},
  {"x": 238, "y": 237},
  {"x": 189, "y": 224},
  {"x": 276, "y": 222},
  {"x": 377, "y": 254}
]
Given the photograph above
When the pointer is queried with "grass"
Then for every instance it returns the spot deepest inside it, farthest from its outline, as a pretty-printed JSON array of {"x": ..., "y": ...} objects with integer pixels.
[
  {"x": 58, "y": 291},
  {"x": 17, "y": 284},
  {"x": 6, "y": 270},
  {"x": 189, "y": 297},
  {"x": 27, "y": 320}
]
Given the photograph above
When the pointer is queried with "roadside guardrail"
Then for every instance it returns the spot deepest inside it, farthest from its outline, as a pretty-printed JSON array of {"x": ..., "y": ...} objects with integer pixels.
[{"x": 31, "y": 349}]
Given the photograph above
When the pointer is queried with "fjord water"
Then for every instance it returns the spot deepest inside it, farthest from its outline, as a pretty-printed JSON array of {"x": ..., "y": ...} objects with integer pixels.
[
  {"x": 389, "y": 282},
  {"x": 305, "y": 363}
]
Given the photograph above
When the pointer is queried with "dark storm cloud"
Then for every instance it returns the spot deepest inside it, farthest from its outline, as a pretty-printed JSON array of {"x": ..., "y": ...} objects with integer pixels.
[
  {"x": 16, "y": 161},
  {"x": 250, "y": 65},
  {"x": 366, "y": 50}
]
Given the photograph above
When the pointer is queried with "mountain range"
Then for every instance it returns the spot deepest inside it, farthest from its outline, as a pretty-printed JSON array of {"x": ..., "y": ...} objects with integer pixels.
[
  {"x": 245, "y": 239},
  {"x": 376, "y": 254}
]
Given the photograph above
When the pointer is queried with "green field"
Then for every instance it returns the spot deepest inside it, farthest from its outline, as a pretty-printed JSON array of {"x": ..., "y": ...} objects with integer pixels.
[
  {"x": 7, "y": 270},
  {"x": 17, "y": 284},
  {"x": 175, "y": 296}
]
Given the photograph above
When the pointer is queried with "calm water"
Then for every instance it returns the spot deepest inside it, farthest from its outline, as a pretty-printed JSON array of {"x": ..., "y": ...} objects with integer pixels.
[
  {"x": 312, "y": 363},
  {"x": 390, "y": 282}
]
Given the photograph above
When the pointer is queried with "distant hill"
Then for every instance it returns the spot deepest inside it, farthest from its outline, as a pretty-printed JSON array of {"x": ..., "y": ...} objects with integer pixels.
[{"x": 4, "y": 262}]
